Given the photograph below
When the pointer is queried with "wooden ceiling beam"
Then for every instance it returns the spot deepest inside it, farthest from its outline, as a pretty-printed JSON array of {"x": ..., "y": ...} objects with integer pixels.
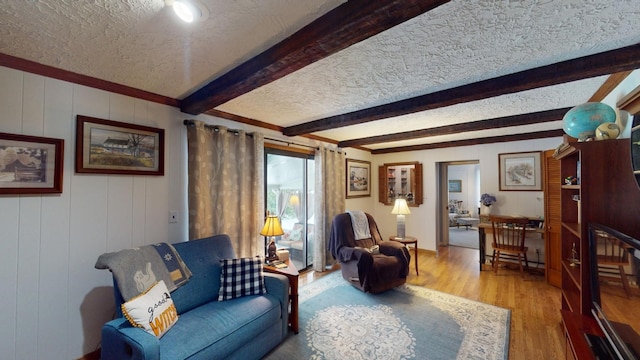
[
  {"x": 347, "y": 24},
  {"x": 605, "y": 63},
  {"x": 478, "y": 141},
  {"x": 264, "y": 125},
  {"x": 514, "y": 120}
]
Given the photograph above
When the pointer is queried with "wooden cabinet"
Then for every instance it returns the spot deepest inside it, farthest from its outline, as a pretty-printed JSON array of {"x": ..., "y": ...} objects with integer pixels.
[
  {"x": 400, "y": 180},
  {"x": 606, "y": 193},
  {"x": 552, "y": 222}
]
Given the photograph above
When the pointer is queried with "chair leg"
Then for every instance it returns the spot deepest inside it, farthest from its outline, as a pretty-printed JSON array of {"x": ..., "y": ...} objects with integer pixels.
[
  {"x": 625, "y": 282},
  {"x": 496, "y": 261},
  {"x": 526, "y": 261},
  {"x": 520, "y": 265}
]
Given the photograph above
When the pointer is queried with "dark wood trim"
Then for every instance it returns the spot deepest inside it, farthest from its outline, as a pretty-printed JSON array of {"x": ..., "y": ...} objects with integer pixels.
[
  {"x": 94, "y": 355},
  {"x": 242, "y": 119},
  {"x": 611, "y": 83},
  {"x": 269, "y": 145},
  {"x": 514, "y": 120},
  {"x": 631, "y": 101},
  {"x": 264, "y": 125},
  {"x": 477, "y": 141},
  {"x": 347, "y": 24},
  {"x": 64, "y": 75},
  {"x": 605, "y": 63}
]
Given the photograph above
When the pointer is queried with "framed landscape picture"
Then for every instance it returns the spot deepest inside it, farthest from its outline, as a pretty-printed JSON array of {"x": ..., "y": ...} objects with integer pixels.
[
  {"x": 520, "y": 171},
  {"x": 111, "y": 147},
  {"x": 358, "y": 174},
  {"x": 30, "y": 164},
  {"x": 455, "y": 185}
]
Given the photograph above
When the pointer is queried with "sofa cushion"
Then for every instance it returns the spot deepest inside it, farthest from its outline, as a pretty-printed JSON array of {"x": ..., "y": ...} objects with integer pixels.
[
  {"x": 153, "y": 310},
  {"x": 218, "y": 329},
  {"x": 203, "y": 258},
  {"x": 241, "y": 277}
]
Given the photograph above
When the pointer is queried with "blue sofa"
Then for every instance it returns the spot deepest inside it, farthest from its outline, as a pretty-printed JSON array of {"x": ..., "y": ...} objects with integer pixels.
[{"x": 242, "y": 328}]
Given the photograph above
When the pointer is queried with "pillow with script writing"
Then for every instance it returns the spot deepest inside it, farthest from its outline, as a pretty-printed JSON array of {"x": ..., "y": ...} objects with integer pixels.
[{"x": 153, "y": 310}]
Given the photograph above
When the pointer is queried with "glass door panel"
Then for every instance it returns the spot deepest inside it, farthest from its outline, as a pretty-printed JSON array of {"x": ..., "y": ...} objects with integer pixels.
[{"x": 289, "y": 186}]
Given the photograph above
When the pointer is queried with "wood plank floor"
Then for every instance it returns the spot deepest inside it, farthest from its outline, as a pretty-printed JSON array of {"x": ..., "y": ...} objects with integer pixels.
[{"x": 535, "y": 306}]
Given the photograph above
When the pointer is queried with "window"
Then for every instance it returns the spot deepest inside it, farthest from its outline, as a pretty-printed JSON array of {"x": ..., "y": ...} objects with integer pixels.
[{"x": 289, "y": 194}]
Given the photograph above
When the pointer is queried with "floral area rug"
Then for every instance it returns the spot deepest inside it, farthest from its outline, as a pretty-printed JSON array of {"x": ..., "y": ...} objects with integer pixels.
[{"x": 338, "y": 321}]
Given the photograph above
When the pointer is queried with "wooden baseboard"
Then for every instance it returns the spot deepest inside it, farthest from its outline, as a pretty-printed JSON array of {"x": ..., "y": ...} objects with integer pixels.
[
  {"x": 432, "y": 252},
  {"x": 94, "y": 355}
]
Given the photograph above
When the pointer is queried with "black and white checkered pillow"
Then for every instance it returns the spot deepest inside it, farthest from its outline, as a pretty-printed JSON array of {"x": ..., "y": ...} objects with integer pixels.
[{"x": 241, "y": 277}]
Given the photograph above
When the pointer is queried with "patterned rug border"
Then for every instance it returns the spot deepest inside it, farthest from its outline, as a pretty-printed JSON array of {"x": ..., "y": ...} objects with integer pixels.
[{"x": 464, "y": 311}]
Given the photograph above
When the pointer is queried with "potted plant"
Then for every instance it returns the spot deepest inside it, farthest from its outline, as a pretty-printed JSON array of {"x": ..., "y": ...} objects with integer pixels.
[{"x": 486, "y": 200}]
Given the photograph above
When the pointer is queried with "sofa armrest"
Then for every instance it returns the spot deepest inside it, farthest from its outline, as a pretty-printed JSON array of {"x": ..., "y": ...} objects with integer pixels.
[
  {"x": 122, "y": 341},
  {"x": 278, "y": 286}
]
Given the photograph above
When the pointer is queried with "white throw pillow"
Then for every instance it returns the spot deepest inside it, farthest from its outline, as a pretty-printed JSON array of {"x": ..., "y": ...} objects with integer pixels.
[{"x": 152, "y": 310}]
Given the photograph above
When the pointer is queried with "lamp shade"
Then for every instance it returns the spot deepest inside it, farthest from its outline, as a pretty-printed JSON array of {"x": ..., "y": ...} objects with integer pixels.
[
  {"x": 272, "y": 227},
  {"x": 400, "y": 207},
  {"x": 294, "y": 200}
]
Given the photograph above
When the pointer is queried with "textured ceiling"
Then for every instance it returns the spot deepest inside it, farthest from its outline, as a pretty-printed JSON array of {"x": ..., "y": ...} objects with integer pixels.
[
  {"x": 139, "y": 43},
  {"x": 142, "y": 44}
]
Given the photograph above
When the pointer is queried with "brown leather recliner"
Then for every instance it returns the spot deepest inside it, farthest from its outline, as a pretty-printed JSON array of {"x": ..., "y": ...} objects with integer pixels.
[{"x": 365, "y": 269}]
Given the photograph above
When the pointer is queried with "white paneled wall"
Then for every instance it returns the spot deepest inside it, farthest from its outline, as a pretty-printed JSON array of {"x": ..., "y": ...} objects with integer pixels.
[{"x": 54, "y": 301}]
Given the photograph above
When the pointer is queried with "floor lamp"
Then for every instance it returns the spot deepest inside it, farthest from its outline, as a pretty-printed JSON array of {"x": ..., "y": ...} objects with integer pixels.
[
  {"x": 400, "y": 208},
  {"x": 271, "y": 229}
]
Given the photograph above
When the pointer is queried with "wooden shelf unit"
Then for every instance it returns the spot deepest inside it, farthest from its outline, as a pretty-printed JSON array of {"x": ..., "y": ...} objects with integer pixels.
[{"x": 608, "y": 195}]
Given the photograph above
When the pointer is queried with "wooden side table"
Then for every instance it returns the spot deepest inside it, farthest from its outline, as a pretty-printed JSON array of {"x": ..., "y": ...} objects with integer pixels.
[
  {"x": 408, "y": 240},
  {"x": 292, "y": 274}
]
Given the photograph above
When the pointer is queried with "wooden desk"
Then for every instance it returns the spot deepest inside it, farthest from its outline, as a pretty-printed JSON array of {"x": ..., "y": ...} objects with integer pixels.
[
  {"x": 292, "y": 274},
  {"x": 484, "y": 228},
  {"x": 408, "y": 240}
]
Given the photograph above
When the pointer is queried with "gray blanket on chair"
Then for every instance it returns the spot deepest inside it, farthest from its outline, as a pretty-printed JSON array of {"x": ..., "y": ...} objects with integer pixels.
[{"x": 135, "y": 270}]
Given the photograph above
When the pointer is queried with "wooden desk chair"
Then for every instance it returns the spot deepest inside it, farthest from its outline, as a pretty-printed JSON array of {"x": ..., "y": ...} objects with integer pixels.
[
  {"x": 613, "y": 256},
  {"x": 508, "y": 238}
]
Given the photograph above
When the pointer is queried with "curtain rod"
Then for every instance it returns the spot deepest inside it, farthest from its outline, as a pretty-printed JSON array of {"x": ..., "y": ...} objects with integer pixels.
[
  {"x": 291, "y": 143},
  {"x": 215, "y": 127}
]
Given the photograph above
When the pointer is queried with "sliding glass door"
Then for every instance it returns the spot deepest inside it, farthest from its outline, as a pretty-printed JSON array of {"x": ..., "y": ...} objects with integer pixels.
[{"x": 289, "y": 194}]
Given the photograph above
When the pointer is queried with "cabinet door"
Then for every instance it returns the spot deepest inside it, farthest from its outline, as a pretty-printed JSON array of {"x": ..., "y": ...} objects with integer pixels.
[{"x": 552, "y": 220}]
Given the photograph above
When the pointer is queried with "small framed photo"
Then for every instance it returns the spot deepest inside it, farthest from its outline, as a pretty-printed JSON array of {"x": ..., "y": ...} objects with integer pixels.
[
  {"x": 358, "y": 174},
  {"x": 111, "y": 147},
  {"x": 520, "y": 171},
  {"x": 30, "y": 164},
  {"x": 455, "y": 185}
]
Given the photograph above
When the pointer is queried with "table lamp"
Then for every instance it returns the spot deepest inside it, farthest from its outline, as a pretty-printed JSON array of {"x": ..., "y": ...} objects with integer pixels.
[
  {"x": 400, "y": 208},
  {"x": 271, "y": 229}
]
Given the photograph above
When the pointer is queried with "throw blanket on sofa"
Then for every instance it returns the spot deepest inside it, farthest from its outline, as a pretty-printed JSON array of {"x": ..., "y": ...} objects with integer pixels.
[
  {"x": 135, "y": 270},
  {"x": 360, "y": 225}
]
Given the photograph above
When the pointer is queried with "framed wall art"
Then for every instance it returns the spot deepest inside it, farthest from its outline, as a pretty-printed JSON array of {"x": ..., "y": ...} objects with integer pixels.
[
  {"x": 520, "y": 171},
  {"x": 358, "y": 174},
  {"x": 111, "y": 147},
  {"x": 455, "y": 185},
  {"x": 30, "y": 164}
]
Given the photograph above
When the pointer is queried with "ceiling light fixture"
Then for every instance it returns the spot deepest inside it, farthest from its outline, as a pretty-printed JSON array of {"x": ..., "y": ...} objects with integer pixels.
[
  {"x": 189, "y": 11},
  {"x": 184, "y": 11}
]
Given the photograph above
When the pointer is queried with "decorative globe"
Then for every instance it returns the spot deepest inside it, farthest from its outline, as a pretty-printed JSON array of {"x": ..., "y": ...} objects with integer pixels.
[
  {"x": 582, "y": 121},
  {"x": 607, "y": 131}
]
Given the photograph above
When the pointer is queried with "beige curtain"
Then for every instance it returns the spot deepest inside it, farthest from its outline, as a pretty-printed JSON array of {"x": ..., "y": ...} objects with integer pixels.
[
  {"x": 329, "y": 201},
  {"x": 226, "y": 172}
]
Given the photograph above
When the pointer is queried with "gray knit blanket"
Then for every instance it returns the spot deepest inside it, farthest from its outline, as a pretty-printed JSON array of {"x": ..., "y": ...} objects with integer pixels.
[
  {"x": 135, "y": 270},
  {"x": 360, "y": 225}
]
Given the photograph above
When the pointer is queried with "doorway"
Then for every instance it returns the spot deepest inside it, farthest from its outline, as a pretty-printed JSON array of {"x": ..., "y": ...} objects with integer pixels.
[
  {"x": 458, "y": 203},
  {"x": 289, "y": 186}
]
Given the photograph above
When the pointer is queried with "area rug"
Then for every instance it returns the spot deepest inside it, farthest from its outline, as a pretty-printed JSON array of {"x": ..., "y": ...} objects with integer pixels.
[
  {"x": 464, "y": 237},
  {"x": 338, "y": 321}
]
